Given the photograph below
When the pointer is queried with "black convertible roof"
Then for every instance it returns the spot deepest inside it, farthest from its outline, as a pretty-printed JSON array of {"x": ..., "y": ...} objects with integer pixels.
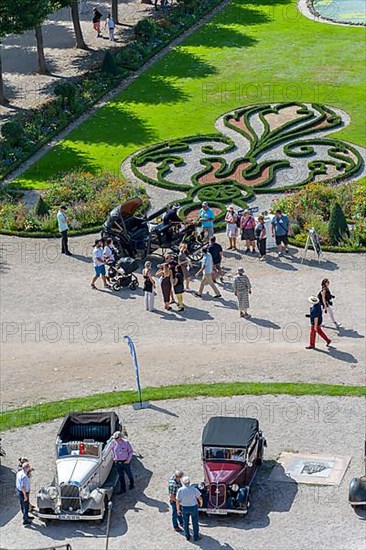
[
  {"x": 108, "y": 421},
  {"x": 227, "y": 431}
]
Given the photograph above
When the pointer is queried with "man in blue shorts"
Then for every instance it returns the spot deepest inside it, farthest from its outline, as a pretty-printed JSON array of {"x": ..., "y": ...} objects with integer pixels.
[
  {"x": 280, "y": 229},
  {"x": 99, "y": 264}
]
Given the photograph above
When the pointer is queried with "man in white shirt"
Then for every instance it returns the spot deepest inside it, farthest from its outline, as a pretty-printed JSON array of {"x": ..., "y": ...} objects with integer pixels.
[
  {"x": 99, "y": 264},
  {"x": 63, "y": 228},
  {"x": 188, "y": 499},
  {"x": 207, "y": 269},
  {"x": 22, "y": 486}
]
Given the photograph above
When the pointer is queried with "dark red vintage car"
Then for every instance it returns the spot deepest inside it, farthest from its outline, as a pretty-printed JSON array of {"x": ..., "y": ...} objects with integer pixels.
[{"x": 232, "y": 451}]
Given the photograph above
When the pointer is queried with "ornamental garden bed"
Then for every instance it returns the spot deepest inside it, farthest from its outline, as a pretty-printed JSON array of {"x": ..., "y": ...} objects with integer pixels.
[
  {"x": 89, "y": 198},
  {"x": 312, "y": 207}
]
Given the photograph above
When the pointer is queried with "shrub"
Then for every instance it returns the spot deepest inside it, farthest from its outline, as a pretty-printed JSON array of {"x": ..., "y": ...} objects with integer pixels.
[
  {"x": 146, "y": 30},
  {"x": 131, "y": 56},
  {"x": 14, "y": 134},
  {"x": 41, "y": 208},
  {"x": 67, "y": 92},
  {"x": 338, "y": 228},
  {"x": 109, "y": 64}
]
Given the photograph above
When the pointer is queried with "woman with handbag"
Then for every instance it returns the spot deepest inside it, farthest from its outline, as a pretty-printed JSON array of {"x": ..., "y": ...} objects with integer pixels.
[{"x": 247, "y": 224}]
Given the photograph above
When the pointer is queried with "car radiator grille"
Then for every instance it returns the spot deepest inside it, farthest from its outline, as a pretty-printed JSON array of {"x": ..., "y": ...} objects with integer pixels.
[
  {"x": 217, "y": 494},
  {"x": 70, "y": 498}
]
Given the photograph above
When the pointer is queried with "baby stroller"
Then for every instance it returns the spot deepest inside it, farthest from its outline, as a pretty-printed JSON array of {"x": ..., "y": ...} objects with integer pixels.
[{"x": 121, "y": 274}]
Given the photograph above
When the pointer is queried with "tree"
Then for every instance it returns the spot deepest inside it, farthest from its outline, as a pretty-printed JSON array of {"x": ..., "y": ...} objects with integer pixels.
[
  {"x": 337, "y": 227},
  {"x": 41, "y": 208},
  {"x": 115, "y": 11},
  {"x": 74, "y": 8},
  {"x": 18, "y": 16}
]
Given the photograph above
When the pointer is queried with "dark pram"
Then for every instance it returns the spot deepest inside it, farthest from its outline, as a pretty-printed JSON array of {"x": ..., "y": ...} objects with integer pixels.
[{"x": 121, "y": 274}]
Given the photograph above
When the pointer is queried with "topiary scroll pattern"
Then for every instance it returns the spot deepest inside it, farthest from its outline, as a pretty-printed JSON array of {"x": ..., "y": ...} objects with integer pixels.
[{"x": 260, "y": 148}]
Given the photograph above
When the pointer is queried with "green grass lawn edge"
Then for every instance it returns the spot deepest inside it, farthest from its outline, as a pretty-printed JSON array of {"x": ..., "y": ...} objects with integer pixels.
[{"x": 43, "y": 412}]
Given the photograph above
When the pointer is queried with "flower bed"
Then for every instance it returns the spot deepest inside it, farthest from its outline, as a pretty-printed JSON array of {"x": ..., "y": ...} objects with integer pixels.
[
  {"x": 89, "y": 199},
  {"x": 311, "y": 207},
  {"x": 28, "y": 132}
]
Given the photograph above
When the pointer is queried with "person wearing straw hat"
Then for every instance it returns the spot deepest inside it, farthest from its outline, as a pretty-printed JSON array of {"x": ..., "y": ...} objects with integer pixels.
[
  {"x": 231, "y": 219},
  {"x": 242, "y": 288},
  {"x": 316, "y": 319}
]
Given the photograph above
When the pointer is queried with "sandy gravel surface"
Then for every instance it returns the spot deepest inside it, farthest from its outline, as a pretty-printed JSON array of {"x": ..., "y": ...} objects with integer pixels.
[
  {"x": 283, "y": 515},
  {"x": 61, "y": 339}
]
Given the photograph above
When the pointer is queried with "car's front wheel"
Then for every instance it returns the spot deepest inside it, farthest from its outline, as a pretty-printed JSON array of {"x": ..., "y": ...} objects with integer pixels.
[{"x": 105, "y": 510}]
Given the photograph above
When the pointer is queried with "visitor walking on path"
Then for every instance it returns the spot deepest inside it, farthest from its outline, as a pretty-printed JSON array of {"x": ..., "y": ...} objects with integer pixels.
[
  {"x": 325, "y": 297},
  {"x": 22, "y": 487},
  {"x": 174, "y": 484},
  {"x": 184, "y": 262},
  {"x": 149, "y": 286},
  {"x": 179, "y": 287},
  {"x": 63, "y": 229},
  {"x": 206, "y": 270},
  {"x": 97, "y": 16},
  {"x": 231, "y": 219},
  {"x": 215, "y": 249},
  {"x": 206, "y": 217},
  {"x": 110, "y": 25},
  {"x": 165, "y": 276},
  {"x": 316, "y": 319},
  {"x": 280, "y": 230},
  {"x": 242, "y": 288},
  {"x": 247, "y": 224},
  {"x": 99, "y": 264},
  {"x": 188, "y": 499},
  {"x": 261, "y": 236}
]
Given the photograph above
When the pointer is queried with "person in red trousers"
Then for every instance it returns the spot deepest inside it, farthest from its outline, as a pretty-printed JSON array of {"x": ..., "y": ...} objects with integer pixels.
[{"x": 316, "y": 319}]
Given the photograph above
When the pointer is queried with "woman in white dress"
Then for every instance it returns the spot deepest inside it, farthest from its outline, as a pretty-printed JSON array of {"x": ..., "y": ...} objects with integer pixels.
[{"x": 231, "y": 227}]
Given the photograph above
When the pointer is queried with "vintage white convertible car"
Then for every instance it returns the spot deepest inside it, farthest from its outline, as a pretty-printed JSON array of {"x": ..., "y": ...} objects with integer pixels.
[{"x": 85, "y": 476}]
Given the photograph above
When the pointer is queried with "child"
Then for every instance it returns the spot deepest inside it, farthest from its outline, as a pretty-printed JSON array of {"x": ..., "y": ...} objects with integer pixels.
[
  {"x": 109, "y": 24},
  {"x": 261, "y": 236}
]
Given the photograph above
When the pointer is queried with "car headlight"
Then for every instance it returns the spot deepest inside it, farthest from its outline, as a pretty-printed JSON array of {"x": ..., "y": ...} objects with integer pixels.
[
  {"x": 52, "y": 492},
  {"x": 85, "y": 493},
  {"x": 235, "y": 487}
]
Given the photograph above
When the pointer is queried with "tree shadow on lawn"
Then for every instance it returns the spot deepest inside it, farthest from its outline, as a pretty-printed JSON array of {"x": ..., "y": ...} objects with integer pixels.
[
  {"x": 237, "y": 13},
  {"x": 218, "y": 36},
  {"x": 181, "y": 63},
  {"x": 154, "y": 89}
]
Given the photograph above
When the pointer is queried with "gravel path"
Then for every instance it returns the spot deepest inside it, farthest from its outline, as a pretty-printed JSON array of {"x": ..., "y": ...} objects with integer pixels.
[
  {"x": 69, "y": 337},
  {"x": 282, "y": 516},
  {"x": 24, "y": 87}
]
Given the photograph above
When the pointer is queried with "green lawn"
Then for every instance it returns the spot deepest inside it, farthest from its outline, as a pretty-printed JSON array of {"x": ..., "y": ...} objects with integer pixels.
[
  {"x": 43, "y": 412},
  {"x": 253, "y": 51}
]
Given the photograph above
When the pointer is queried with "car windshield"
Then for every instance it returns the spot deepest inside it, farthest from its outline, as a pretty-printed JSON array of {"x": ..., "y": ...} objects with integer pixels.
[
  {"x": 223, "y": 453},
  {"x": 76, "y": 448}
]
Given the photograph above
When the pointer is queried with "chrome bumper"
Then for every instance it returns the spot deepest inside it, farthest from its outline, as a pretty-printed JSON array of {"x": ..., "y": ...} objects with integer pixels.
[
  {"x": 68, "y": 517},
  {"x": 223, "y": 511}
]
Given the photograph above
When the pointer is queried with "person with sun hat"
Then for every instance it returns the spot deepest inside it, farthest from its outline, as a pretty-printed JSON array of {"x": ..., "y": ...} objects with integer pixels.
[{"x": 316, "y": 319}]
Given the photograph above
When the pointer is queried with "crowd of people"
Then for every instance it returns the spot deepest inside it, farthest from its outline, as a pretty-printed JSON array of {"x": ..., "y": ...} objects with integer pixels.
[{"x": 175, "y": 274}]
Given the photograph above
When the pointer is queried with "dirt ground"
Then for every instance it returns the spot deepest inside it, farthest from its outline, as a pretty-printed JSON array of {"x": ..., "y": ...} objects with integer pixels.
[
  {"x": 62, "y": 339},
  {"x": 27, "y": 89},
  {"x": 282, "y": 515}
]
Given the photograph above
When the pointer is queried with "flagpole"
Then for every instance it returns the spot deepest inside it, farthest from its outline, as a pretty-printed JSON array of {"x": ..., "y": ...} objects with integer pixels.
[{"x": 140, "y": 405}]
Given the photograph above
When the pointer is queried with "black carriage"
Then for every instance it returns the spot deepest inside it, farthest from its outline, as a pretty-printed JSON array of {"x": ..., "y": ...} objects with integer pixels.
[{"x": 139, "y": 236}]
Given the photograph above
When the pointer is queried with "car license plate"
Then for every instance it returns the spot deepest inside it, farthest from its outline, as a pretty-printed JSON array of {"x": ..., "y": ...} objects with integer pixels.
[
  {"x": 68, "y": 516},
  {"x": 217, "y": 511}
]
